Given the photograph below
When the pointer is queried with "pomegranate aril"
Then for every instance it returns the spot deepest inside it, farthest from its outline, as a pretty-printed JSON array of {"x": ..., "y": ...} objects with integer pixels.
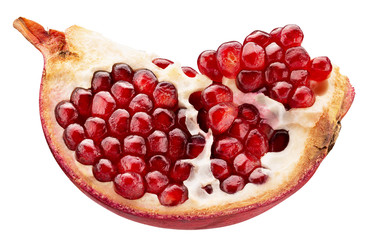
[
  {"x": 111, "y": 148},
  {"x": 258, "y": 176},
  {"x": 95, "y": 128},
  {"x": 140, "y": 103},
  {"x": 214, "y": 94},
  {"x": 181, "y": 119},
  {"x": 141, "y": 124},
  {"x": 177, "y": 143},
  {"x": 244, "y": 165},
  {"x": 173, "y": 194},
  {"x": 87, "y": 152},
  {"x": 73, "y": 135},
  {"x": 259, "y": 37},
  {"x": 159, "y": 163},
  {"x": 207, "y": 65},
  {"x": 163, "y": 119},
  {"x": 121, "y": 72},
  {"x": 162, "y": 62},
  {"x": 232, "y": 184},
  {"x": 220, "y": 168},
  {"x": 291, "y": 36},
  {"x": 135, "y": 145},
  {"x": 189, "y": 72},
  {"x": 144, "y": 81},
  {"x": 123, "y": 92},
  {"x": 103, "y": 105},
  {"x": 202, "y": 120},
  {"x": 131, "y": 164},
  {"x": 129, "y": 185},
  {"x": 180, "y": 171},
  {"x": 279, "y": 141},
  {"x": 300, "y": 78},
  {"x": 266, "y": 129},
  {"x": 274, "y": 53},
  {"x": 275, "y": 35},
  {"x": 256, "y": 143},
  {"x": 320, "y": 68},
  {"x": 297, "y": 58},
  {"x": 249, "y": 113},
  {"x": 281, "y": 92},
  {"x": 82, "y": 100},
  {"x": 276, "y": 72},
  {"x": 303, "y": 97},
  {"x": 208, "y": 188},
  {"x": 228, "y": 58},
  {"x": 195, "y": 146},
  {"x": 119, "y": 123},
  {"x": 253, "y": 57},
  {"x": 101, "y": 81},
  {"x": 66, "y": 113},
  {"x": 227, "y": 148},
  {"x": 104, "y": 170},
  {"x": 195, "y": 100},
  {"x": 165, "y": 95},
  {"x": 156, "y": 182},
  {"x": 249, "y": 80},
  {"x": 239, "y": 128},
  {"x": 157, "y": 142},
  {"x": 221, "y": 116}
]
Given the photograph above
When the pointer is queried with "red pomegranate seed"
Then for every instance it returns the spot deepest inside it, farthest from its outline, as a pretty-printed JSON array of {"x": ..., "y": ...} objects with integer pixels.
[
  {"x": 249, "y": 113},
  {"x": 214, "y": 94},
  {"x": 159, "y": 163},
  {"x": 180, "y": 171},
  {"x": 73, "y": 135},
  {"x": 129, "y": 185},
  {"x": 177, "y": 143},
  {"x": 280, "y": 92},
  {"x": 119, "y": 123},
  {"x": 320, "y": 68},
  {"x": 303, "y": 97},
  {"x": 103, "y": 105},
  {"x": 157, "y": 142},
  {"x": 208, "y": 188},
  {"x": 141, "y": 103},
  {"x": 207, "y": 65},
  {"x": 95, "y": 128},
  {"x": 87, "y": 152},
  {"x": 162, "y": 62},
  {"x": 300, "y": 78},
  {"x": 275, "y": 35},
  {"x": 253, "y": 57},
  {"x": 227, "y": 148},
  {"x": 163, "y": 119},
  {"x": 276, "y": 72},
  {"x": 259, "y": 37},
  {"x": 104, "y": 170},
  {"x": 165, "y": 95},
  {"x": 144, "y": 81},
  {"x": 258, "y": 176},
  {"x": 101, "y": 81},
  {"x": 82, "y": 100},
  {"x": 221, "y": 116},
  {"x": 220, "y": 168},
  {"x": 228, "y": 58},
  {"x": 250, "y": 81},
  {"x": 173, "y": 194},
  {"x": 239, "y": 128},
  {"x": 141, "y": 123},
  {"x": 195, "y": 100},
  {"x": 66, "y": 113},
  {"x": 291, "y": 36},
  {"x": 202, "y": 120},
  {"x": 297, "y": 58},
  {"x": 156, "y": 182},
  {"x": 279, "y": 141},
  {"x": 190, "y": 72},
  {"x": 181, "y": 119},
  {"x": 195, "y": 146},
  {"x": 232, "y": 184},
  {"x": 131, "y": 164},
  {"x": 111, "y": 148},
  {"x": 274, "y": 53},
  {"x": 121, "y": 72},
  {"x": 123, "y": 92},
  {"x": 256, "y": 143},
  {"x": 244, "y": 165},
  {"x": 266, "y": 129},
  {"x": 134, "y": 144}
]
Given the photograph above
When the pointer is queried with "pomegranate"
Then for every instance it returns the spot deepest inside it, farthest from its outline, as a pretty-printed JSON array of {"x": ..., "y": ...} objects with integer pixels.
[{"x": 163, "y": 145}]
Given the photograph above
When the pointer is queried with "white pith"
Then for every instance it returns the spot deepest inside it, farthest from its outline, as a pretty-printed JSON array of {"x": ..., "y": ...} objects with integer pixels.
[{"x": 98, "y": 53}]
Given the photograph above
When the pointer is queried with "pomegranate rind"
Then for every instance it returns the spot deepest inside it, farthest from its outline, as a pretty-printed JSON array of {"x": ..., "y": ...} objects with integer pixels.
[{"x": 72, "y": 59}]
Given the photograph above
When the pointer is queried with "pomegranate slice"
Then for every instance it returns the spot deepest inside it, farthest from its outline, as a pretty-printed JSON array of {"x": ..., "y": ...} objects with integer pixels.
[{"x": 163, "y": 145}]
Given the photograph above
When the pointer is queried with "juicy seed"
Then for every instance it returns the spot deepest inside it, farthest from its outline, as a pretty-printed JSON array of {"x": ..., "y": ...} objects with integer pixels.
[
  {"x": 162, "y": 62},
  {"x": 103, "y": 105},
  {"x": 129, "y": 185},
  {"x": 297, "y": 58},
  {"x": 249, "y": 113},
  {"x": 144, "y": 81},
  {"x": 163, "y": 119},
  {"x": 121, "y": 72},
  {"x": 232, "y": 184},
  {"x": 239, "y": 128},
  {"x": 87, "y": 152},
  {"x": 177, "y": 143},
  {"x": 279, "y": 141},
  {"x": 157, "y": 142},
  {"x": 104, "y": 170},
  {"x": 221, "y": 116},
  {"x": 291, "y": 36},
  {"x": 141, "y": 103},
  {"x": 181, "y": 119},
  {"x": 281, "y": 92},
  {"x": 190, "y": 72},
  {"x": 195, "y": 146},
  {"x": 227, "y": 148},
  {"x": 259, "y": 37},
  {"x": 207, "y": 65},
  {"x": 253, "y": 57},
  {"x": 256, "y": 143},
  {"x": 195, "y": 100},
  {"x": 135, "y": 145},
  {"x": 320, "y": 68},
  {"x": 220, "y": 168},
  {"x": 156, "y": 182},
  {"x": 119, "y": 123},
  {"x": 258, "y": 176},
  {"x": 244, "y": 165},
  {"x": 95, "y": 128},
  {"x": 266, "y": 129},
  {"x": 300, "y": 78},
  {"x": 66, "y": 113},
  {"x": 173, "y": 194},
  {"x": 275, "y": 35},
  {"x": 73, "y": 135},
  {"x": 159, "y": 163},
  {"x": 131, "y": 164},
  {"x": 165, "y": 95},
  {"x": 214, "y": 94},
  {"x": 250, "y": 81},
  {"x": 202, "y": 120},
  {"x": 228, "y": 58},
  {"x": 123, "y": 92},
  {"x": 101, "y": 81},
  {"x": 180, "y": 171},
  {"x": 276, "y": 72},
  {"x": 141, "y": 124},
  {"x": 111, "y": 148},
  {"x": 82, "y": 100},
  {"x": 303, "y": 97},
  {"x": 274, "y": 53}
]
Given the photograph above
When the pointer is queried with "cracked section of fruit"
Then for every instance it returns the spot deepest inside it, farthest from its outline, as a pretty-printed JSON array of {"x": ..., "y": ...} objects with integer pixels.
[{"x": 161, "y": 144}]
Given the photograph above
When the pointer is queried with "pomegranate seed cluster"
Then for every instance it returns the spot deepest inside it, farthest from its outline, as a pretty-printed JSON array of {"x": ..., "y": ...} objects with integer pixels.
[
  {"x": 129, "y": 127},
  {"x": 275, "y": 64}
]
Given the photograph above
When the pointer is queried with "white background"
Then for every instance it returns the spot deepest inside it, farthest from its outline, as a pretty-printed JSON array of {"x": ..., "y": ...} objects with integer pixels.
[{"x": 37, "y": 201}]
